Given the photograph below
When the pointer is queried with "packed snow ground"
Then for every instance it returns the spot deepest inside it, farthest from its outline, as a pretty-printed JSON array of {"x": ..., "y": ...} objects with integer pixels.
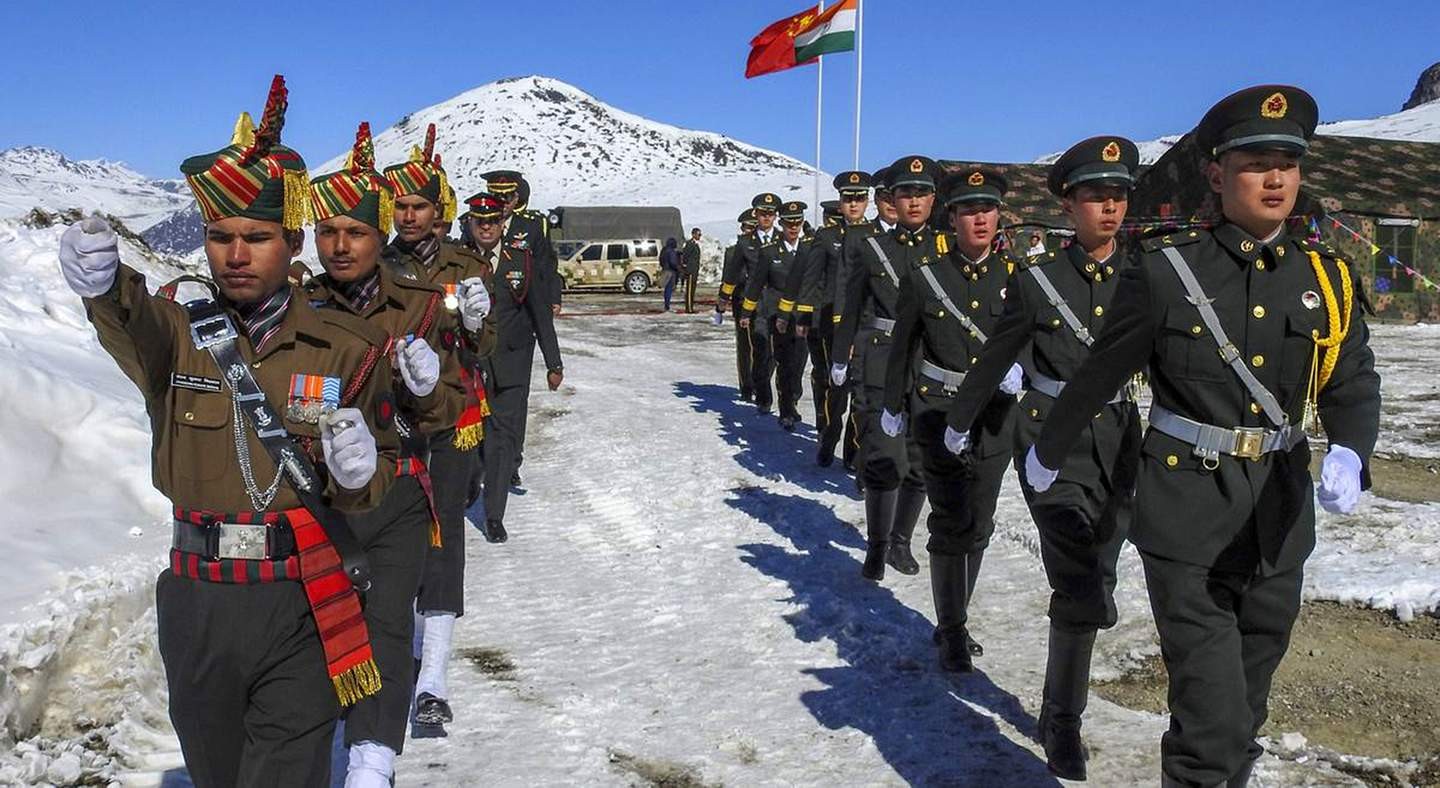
[{"x": 681, "y": 590}]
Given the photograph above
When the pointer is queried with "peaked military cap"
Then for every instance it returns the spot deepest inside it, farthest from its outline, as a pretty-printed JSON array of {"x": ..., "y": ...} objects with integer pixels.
[
  {"x": 357, "y": 190},
  {"x": 830, "y": 207},
  {"x": 972, "y": 185},
  {"x": 1265, "y": 117},
  {"x": 503, "y": 182},
  {"x": 852, "y": 181},
  {"x": 878, "y": 179},
  {"x": 766, "y": 201},
  {"x": 423, "y": 176},
  {"x": 1108, "y": 160},
  {"x": 747, "y": 216},
  {"x": 911, "y": 171},
  {"x": 793, "y": 211},
  {"x": 254, "y": 176},
  {"x": 485, "y": 205}
]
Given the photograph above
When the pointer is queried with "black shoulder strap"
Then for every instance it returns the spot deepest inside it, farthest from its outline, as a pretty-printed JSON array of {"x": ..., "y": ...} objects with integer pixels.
[{"x": 212, "y": 330}]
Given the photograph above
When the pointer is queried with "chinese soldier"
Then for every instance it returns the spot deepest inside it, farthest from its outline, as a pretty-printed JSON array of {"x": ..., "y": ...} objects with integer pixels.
[
  {"x": 1250, "y": 337},
  {"x": 271, "y": 427},
  {"x": 734, "y": 275},
  {"x": 353, "y": 210},
  {"x": 949, "y": 302},
  {"x": 814, "y": 294},
  {"x": 421, "y": 190},
  {"x": 867, "y": 305},
  {"x": 766, "y": 313},
  {"x": 1055, "y": 304},
  {"x": 736, "y": 279},
  {"x": 523, "y": 319}
]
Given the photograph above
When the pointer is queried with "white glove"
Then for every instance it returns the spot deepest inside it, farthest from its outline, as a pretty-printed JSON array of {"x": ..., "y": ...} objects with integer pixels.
[
  {"x": 838, "y": 373},
  {"x": 891, "y": 424},
  {"x": 717, "y": 318},
  {"x": 419, "y": 366},
  {"x": 349, "y": 448},
  {"x": 89, "y": 257},
  {"x": 474, "y": 303},
  {"x": 956, "y": 442},
  {"x": 1014, "y": 380},
  {"x": 1339, "y": 480},
  {"x": 1039, "y": 477}
]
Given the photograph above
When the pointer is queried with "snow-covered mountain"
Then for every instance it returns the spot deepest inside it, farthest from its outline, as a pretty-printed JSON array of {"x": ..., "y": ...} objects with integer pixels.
[
  {"x": 32, "y": 177},
  {"x": 577, "y": 150}
]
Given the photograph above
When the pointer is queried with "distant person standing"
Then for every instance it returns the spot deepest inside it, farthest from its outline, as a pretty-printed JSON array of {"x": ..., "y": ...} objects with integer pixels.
[
  {"x": 1037, "y": 245},
  {"x": 669, "y": 269},
  {"x": 690, "y": 264}
]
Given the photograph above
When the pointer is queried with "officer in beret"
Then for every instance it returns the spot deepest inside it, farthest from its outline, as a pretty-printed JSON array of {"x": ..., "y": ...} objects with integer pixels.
[
  {"x": 736, "y": 278},
  {"x": 812, "y": 289},
  {"x": 1041, "y": 340},
  {"x": 1251, "y": 338},
  {"x": 734, "y": 272},
  {"x": 767, "y": 313},
  {"x": 948, "y": 305},
  {"x": 867, "y": 305}
]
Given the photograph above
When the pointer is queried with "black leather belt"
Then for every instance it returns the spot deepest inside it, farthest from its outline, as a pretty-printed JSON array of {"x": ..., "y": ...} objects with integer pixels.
[{"x": 236, "y": 541}]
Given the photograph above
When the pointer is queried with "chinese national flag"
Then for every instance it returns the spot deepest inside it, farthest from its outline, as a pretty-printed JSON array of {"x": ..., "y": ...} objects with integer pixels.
[{"x": 774, "y": 48}]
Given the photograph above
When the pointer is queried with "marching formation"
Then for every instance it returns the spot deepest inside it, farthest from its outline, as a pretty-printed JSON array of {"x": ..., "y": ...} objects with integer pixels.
[
  {"x": 322, "y": 439},
  {"x": 955, "y": 357}
]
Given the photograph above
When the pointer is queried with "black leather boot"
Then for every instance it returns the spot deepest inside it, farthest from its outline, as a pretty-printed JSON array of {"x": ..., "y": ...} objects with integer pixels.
[
  {"x": 947, "y": 584},
  {"x": 879, "y": 514},
  {"x": 907, "y": 514},
  {"x": 972, "y": 572},
  {"x": 1067, "y": 688}
]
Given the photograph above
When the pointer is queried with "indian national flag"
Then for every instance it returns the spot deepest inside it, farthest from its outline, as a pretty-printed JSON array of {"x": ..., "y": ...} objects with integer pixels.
[
  {"x": 800, "y": 38},
  {"x": 832, "y": 31}
]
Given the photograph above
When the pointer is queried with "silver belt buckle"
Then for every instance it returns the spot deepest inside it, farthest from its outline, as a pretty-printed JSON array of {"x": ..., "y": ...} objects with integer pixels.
[
  {"x": 213, "y": 330},
  {"x": 242, "y": 542},
  {"x": 1249, "y": 443}
]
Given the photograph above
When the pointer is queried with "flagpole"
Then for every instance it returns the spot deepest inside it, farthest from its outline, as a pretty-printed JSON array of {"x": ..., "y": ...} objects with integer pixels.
[
  {"x": 859, "y": 50},
  {"x": 819, "y": 88}
]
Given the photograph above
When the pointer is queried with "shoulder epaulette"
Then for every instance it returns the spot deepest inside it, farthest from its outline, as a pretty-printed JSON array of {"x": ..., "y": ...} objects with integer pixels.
[
  {"x": 942, "y": 244},
  {"x": 461, "y": 250},
  {"x": 1177, "y": 238},
  {"x": 1321, "y": 248},
  {"x": 167, "y": 291},
  {"x": 358, "y": 326},
  {"x": 1036, "y": 260}
]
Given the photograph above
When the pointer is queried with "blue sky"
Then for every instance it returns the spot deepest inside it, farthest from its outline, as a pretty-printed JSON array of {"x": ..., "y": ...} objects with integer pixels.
[{"x": 149, "y": 83}]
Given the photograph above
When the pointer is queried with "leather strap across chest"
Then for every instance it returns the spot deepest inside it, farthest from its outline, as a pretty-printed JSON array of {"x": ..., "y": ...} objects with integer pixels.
[
  {"x": 965, "y": 321},
  {"x": 1067, "y": 314}
]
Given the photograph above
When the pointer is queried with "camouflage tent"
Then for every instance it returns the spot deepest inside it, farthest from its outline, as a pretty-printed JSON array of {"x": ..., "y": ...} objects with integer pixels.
[
  {"x": 1028, "y": 203},
  {"x": 1378, "y": 201}
]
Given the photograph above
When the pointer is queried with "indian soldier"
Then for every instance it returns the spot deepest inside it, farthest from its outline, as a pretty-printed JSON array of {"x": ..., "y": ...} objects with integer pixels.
[
  {"x": 814, "y": 294},
  {"x": 735, "y": 275},
  {"x": 1250, "y": 336},
  {"x": 736, "y": 279},
  {"x": 523, "y": 319},
  {"x": 527, "y": 229},
  {"x": 353, "y": 211},
  {"x": 420, "y": 194},
  {"x": 270, "y": 429},
  {"x": 766, "y": 313},
  {"x": 950, "y": 299},
  {"x": 867, "y": 298},
  {"x": 690, "y": 261},
  {"x": 1055, "y": 304}
]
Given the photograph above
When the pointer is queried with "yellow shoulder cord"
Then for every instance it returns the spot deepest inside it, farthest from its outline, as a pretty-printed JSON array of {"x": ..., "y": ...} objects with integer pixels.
[{"x": 1339, "y": 324}]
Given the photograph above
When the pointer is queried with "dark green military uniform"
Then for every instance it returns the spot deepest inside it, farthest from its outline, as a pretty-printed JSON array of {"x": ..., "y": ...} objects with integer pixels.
[
  {"x": 736, "y": 278},
  {"x": 690, "y": 262},
  {"x": 776, "y": 349},
  {"x": 733, "y": 277},
  {"x": 868, "y": 296},
  {"x": 947, "y": 307},
  {"x": 1224, "y": 514},
  {"x": 1083, "y": 518}
]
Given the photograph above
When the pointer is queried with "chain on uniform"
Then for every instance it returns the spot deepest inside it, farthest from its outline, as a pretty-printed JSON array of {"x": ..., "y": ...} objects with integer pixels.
[{"x": 259, "y": 501}]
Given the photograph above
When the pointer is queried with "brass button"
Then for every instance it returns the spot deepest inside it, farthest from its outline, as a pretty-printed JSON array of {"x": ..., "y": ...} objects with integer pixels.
[
  {"x": 189, "y": 416},
  {"x": 974, "y": 360},
  {"x": 974, "y": 304},
  {"x": 924, "y": 389},
  {"x": 1055, "y": 322},
  {"x": 1034, "y": 413},
  {"x": 1255, "y": 408},
  {"x": 1258, "y": 311},
  {"x": 1172, "y": 461},
  {"x": 1099, "y": 310},
  {"x": 1196, "y": 329},
  {"x": 1257, "y": 361},
  {"x": 1279, "y": 251},
  {"x": 1260, "y": 264},
  {"x": 942, "y": 313}
]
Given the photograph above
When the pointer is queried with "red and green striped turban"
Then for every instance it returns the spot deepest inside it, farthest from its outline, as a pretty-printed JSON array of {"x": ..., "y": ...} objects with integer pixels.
[
  {"x": 423, "y": 176},
  {"x": 357, "y": 191},
  {"x": 254, "y": 176}
]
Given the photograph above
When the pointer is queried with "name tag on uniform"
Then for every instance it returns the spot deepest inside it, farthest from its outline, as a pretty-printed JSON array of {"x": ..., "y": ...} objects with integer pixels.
[
  {"x": 193, "y": 382},
  {"x": 312, "y": 396}
]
